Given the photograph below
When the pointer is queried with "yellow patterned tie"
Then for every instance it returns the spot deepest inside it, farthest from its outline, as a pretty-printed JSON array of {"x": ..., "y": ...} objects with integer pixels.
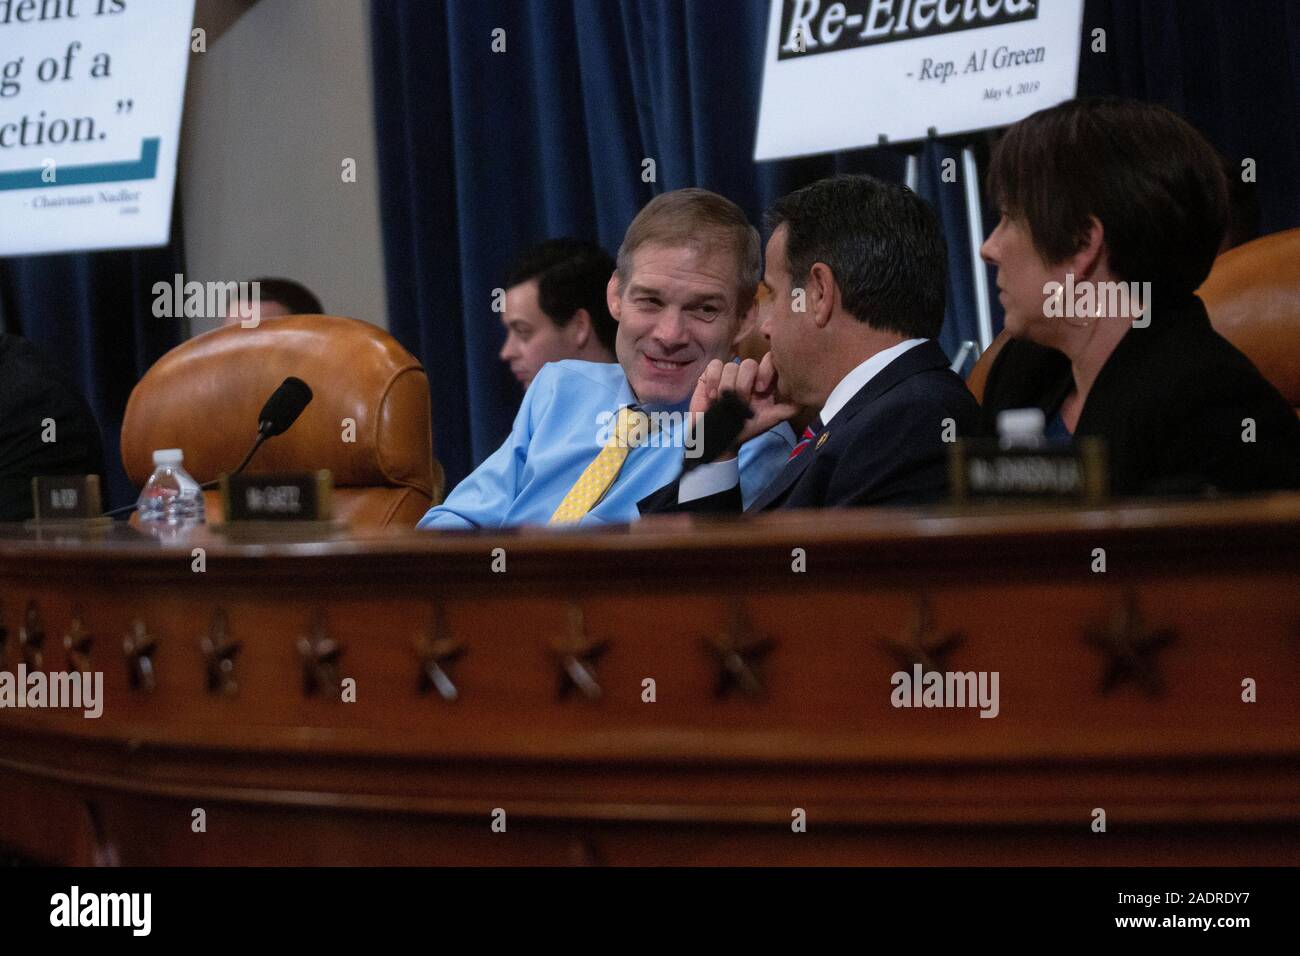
[{"x": 604, "y": 468}]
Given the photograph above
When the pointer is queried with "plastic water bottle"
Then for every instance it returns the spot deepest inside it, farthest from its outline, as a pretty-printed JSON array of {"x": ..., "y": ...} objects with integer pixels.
[
  {"x": 170, "y": 496},
  {"x": 1022, "y": 428}
]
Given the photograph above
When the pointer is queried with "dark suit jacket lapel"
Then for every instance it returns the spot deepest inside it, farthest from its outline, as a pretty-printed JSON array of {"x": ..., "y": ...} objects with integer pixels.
[
  {"x": 786, "y": 477},
  {"x": 920, "y": 358}
]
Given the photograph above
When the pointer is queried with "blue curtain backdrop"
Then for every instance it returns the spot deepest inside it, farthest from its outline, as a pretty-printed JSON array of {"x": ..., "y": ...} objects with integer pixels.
[
  {"x": 484, "y": 153},
  {"x": 94, "y": 313}
]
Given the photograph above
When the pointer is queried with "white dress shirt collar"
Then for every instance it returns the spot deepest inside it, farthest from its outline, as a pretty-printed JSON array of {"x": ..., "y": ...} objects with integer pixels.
[{"x": 852, "y": 383}]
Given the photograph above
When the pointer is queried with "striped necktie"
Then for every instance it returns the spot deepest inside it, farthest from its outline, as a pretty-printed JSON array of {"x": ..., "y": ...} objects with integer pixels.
[
  {"x": 630, "y": 426},
  {"x": 809, "y": 433}
]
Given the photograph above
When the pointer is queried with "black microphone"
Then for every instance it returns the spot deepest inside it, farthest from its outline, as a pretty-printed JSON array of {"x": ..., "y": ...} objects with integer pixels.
[
  {"x": 722, "y": 424},
  {"x": 283, "y": 407},
  {"x": 280, "y": 411}
]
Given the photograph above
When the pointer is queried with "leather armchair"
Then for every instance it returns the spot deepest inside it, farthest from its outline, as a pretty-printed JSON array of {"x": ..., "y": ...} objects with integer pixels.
[
  {"x": 1253, "y": 297},
  {"x": 204, "y": 397}
]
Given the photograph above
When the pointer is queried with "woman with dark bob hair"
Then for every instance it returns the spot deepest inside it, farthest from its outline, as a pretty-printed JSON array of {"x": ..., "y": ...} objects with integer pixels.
[{"x": 1112, "y": 212}]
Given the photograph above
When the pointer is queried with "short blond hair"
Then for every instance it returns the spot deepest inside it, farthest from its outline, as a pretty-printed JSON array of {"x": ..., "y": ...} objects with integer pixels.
[{"x": 696, "y": 216}]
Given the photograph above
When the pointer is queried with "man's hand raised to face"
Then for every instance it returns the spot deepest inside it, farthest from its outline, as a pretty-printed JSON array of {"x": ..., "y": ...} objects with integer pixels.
[{"x": 755, "y": 384}]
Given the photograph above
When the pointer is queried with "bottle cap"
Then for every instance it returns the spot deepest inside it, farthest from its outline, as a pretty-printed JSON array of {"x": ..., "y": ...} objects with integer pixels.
[
  {"x": 168, "y": 456},
  {"x": 1017, "y": 425}
]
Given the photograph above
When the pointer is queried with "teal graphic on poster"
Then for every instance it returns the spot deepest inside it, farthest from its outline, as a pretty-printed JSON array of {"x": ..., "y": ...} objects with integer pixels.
[{"x": 91, "y": 93}]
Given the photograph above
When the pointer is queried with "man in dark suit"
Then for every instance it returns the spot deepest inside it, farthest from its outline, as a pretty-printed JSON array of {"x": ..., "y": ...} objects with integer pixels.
[
  {"x": 856, "y": 268},
  {"x": 46, "y": 428}
]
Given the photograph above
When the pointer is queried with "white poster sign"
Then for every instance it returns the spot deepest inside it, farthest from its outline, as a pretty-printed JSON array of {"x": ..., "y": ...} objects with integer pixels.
[
  {"x": 90, "y": 115},
  {"x": 842, "y": 75}
]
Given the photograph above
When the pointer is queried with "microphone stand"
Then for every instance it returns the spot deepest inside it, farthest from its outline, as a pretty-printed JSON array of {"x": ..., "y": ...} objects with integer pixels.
[{"x": 262, "y": 430}]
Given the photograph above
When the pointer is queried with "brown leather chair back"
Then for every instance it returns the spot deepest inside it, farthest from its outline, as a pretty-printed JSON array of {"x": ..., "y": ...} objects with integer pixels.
[
  {"x": 204, "y": 397},
  {"x": 1253, "y": 297},
  {"x": 979, "y": 373}
]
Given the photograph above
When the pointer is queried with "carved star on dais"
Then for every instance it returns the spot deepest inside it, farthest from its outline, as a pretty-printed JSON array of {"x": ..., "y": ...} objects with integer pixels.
[
  {"x": 1129, "y": 648},
  {"x": 437, "y": 652},
  {"x": 576, "y": 655},
  {"x": 922, "y": 643},
  {"x": 740, "y": 654}
]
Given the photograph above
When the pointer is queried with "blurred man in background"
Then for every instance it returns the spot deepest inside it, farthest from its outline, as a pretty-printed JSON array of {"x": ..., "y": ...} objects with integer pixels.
[
  {"x": 278, "y": 297},
  {"x": 555, "y": 307}
]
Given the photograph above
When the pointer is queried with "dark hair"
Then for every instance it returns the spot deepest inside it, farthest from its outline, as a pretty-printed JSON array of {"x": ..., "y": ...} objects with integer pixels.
[
  {"x": 1153, "y": 182},
  {"x": 693, "y": 215},
  {"x": 294, "y": 296},
  {"x": 881, "y": 242},
  {"x": 571, "y": 274}
]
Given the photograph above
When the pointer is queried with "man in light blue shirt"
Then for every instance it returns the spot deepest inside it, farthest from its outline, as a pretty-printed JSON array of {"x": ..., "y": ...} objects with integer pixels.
[{"x": 683, "y": 295}]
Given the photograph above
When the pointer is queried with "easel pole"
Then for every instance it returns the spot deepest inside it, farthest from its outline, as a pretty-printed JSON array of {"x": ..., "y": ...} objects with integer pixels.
[{"x": 975, "y": 229}]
